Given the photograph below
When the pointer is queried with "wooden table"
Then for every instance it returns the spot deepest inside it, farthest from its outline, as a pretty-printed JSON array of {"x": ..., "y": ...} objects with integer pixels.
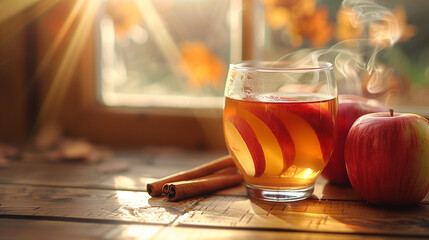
[{"x": 70, "y": 200}]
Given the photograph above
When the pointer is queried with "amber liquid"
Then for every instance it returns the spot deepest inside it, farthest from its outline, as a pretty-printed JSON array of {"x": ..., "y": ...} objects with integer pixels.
[{"x": 280, "y": 142}]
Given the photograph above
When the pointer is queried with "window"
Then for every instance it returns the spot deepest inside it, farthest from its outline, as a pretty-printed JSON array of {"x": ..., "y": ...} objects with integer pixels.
[{"x": 166, "y": 53}]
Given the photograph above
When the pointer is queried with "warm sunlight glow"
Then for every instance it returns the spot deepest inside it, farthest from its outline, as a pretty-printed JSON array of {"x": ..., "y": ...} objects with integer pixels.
[
  {"x": 307, "y": 173},
  {"x": 62, "y": 76},
  {"x": 32, "y": 9},
  {"x": 10, "y": 8},
  {"x": 60, "y": 37},
  {"x": 140, "y": 232},
  {"x": 159, "y": 31},
  {"x": 123, "y": 182}
]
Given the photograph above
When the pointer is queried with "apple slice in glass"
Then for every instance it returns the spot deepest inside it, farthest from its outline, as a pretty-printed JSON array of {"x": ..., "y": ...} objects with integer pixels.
[
  {"x": 274, "y": 137},
  {"x": 317, "y": 117},
  {"x": 307, "y": 144},
  {"x": 244, "y": 144},
  {"x": 321, "y": 122},
  {"x": 269, "y": 142}
]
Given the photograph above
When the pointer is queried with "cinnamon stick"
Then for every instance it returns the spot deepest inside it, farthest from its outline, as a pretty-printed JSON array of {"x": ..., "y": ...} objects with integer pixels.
[
  {"x": 228, "y": 170},
  {"x": 185, "y": 189},
  {"x": 155, "y": 188},
  {"x": 165, "y": 188}
]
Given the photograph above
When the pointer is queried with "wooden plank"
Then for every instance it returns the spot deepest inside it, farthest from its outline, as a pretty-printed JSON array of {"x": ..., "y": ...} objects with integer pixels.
[
  {"x": 323, "y": 190},
  {"x": 246, "y": 234},
  {"x": 309, "y": 215},
  {"x": 46, "y": 230},
  {"x": 145, "y": 167},
  {"x": 312, "y": 215},
  {"x": 76, "y": 203},
  {"x": 328, "y": 191},
  {"x": 142, "y": 171}
]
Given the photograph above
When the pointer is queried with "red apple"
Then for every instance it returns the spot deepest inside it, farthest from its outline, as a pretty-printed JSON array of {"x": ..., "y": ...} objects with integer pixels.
[
  {"x": 387, "y": 158},
  {"x": 350, "y": 108},
  {"x": 245, "y": 145}
]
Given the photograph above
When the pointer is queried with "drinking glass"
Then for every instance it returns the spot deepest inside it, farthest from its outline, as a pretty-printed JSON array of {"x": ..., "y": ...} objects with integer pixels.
[{"x": 279, "y": 120}]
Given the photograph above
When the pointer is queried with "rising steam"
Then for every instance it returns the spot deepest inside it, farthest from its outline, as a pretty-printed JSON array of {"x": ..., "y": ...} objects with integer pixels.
[{"x": 351, "y": 57}]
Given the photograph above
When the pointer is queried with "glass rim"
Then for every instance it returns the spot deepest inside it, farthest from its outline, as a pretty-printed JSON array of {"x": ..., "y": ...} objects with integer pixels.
[{"x": 247, "y": 66}]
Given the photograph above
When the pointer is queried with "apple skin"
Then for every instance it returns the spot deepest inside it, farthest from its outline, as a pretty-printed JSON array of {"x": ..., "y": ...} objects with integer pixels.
[
  {"x": 350, "y": 108},
  {"x": 387, "y": 158}
]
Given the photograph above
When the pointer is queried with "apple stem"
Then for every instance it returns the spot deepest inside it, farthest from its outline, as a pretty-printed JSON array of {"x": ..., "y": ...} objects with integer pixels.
[{"x": 391, "y": 112}]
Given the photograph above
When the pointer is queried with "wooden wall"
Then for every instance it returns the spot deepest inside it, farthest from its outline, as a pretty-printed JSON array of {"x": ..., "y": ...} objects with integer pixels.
[{"x": 16, "y": 89}]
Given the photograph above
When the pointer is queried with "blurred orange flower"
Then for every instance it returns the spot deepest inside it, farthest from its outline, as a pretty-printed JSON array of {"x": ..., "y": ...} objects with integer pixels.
[
  {"x": 125, "y": 14},
  {"x": 407, "y": 31},
  {"x": 301, "y": 20},
  {"x": 297, "y": 7},
  {"x": 393, "y": 28},
  {"x": 316, "y": 28},
  {"x": 200, "y": 65},
  {"x": 277, "y": 17},
  {"x": 349, "y": 25}
]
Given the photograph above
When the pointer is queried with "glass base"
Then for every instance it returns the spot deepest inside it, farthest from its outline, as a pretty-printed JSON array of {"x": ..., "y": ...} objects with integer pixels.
[{"x": 273, "y": 195}]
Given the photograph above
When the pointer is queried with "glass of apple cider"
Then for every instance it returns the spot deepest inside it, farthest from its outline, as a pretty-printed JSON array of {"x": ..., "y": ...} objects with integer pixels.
[{"x": 279, "y": 120}]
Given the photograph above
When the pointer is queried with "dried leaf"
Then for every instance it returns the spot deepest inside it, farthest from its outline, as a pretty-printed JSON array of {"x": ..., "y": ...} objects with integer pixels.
[
  {"x": 8, "y": 151},
  {"x": 117, "y": 165},
  {"x": 4, "y": 162},
  {"x": 47, "y": 137},
  {"x": 98, "y": 155},
  {"x": 75, "y": 149}
]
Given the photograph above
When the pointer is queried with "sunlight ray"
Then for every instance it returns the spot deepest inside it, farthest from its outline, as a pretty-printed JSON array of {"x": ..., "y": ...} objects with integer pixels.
[
  {"x": 63, "y": 74},
  {"x": 60, "y": 37},
  {"x": 159, "y": 31},
  {"x": 10, "y": 8},
  {"x": 27, "y": 11}
]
